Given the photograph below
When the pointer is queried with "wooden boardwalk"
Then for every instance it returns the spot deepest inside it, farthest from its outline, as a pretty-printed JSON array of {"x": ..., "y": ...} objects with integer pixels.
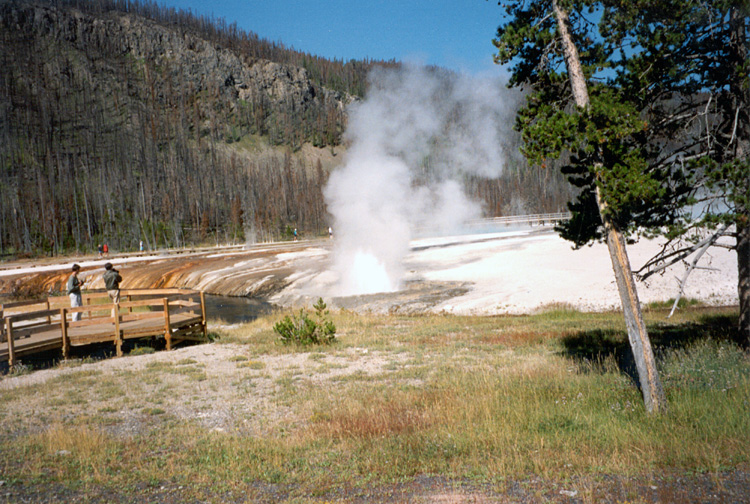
[{"x": 33, "y": 327}]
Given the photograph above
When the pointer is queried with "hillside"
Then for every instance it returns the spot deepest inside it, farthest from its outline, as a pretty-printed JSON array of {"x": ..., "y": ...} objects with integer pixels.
[
  {"x": 125, "y": 121},
  {"x": 118, "y": 127}
]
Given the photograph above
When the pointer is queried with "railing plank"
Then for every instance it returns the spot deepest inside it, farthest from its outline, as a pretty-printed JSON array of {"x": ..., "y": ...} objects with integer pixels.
[
  {"x": 184, "y": 302},
  {"x": 26, "y": 332},
  {"x": 39, "y": 314},
  {"x": 144, "y": 302},
  {"x": 20, "y": 304}
]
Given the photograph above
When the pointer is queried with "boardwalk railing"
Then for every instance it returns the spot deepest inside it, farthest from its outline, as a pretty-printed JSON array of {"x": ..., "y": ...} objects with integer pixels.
[
  {"x": 492, "y": 223},
  {"x": 517, "y": 220},
  {"x": 32, "y": 327}
]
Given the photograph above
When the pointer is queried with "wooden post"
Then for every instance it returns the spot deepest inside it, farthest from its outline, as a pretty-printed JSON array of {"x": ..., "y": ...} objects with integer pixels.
[
  {"x": 118, "y": 334},
  {"x": 64, "y": 332},
  {"x": 167, "y": 327},
  {"x": 49, "y": 319},
  {"x": 11, "y": 350},
  {"x": 203, "y": 315},
  {"x": 129, "y": 298}
]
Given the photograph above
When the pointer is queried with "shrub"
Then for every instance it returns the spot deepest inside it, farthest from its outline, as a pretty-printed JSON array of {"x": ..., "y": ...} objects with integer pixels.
[{"x": 301, "y": 329}]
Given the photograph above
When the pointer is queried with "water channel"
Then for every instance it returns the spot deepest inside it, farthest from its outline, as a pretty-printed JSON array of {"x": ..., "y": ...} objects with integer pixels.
[{"x": 236, "y": 310}]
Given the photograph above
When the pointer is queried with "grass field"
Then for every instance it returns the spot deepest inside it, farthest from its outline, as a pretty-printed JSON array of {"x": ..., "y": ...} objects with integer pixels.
[{"x": 399, "y": 409}]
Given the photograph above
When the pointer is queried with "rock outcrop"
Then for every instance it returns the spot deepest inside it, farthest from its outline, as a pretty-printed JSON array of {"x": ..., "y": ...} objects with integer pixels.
[{"x": 183, "y": 56}]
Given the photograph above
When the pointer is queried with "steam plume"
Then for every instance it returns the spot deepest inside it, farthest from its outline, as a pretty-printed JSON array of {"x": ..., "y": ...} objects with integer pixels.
[{"x": 411, "y": 139}]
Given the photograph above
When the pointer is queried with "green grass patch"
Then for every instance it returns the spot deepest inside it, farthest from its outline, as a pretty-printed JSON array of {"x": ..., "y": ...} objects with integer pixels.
[
  {"x": 668, "y": 304},
  {"x": 551, "y": 395}
]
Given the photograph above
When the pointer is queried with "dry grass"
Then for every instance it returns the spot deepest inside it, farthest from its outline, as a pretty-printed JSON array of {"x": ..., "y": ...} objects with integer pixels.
[
  {"x": 478, "y": 399},
  {"x": 88, "y": 448}
]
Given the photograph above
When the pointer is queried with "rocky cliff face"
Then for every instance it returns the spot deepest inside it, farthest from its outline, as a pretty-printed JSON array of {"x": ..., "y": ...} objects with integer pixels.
[
  {"x": 120, "y": 128},
  {"x": 183, "y": 57}
]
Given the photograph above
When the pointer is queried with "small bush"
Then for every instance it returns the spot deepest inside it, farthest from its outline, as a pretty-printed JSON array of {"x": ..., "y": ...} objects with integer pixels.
[{"x": 301, "y": 329}]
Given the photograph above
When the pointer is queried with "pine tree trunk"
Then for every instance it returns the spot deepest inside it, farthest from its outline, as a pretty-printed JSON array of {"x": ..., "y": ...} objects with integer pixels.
[
  {"x": 739, "y": 88},
  {"x": 743, "y": 267},
  {"x": 648, "y": 375},
  {"x": 653, "y": 393}
]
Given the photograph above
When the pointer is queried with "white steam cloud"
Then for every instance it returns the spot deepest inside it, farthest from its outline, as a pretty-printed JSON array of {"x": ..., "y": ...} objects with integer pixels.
[{"x": 411, "y": 139}]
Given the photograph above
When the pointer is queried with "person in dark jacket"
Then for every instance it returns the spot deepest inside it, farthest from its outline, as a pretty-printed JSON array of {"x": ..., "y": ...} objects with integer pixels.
[
  {"x": 73, "y": 289},
  {"x": 112, "y": 281}
]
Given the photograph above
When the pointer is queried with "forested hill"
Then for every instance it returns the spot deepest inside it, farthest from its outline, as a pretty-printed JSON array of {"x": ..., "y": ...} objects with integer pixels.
[{"x": 122, "y": 120}]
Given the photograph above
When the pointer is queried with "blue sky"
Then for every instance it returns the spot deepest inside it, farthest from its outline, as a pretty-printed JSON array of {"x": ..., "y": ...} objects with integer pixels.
[{"x": 455, "y": 34}]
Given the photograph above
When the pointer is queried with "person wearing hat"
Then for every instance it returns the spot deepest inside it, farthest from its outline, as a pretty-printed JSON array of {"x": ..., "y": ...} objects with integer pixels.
[
  {"x": 73, "y": 289},
  {"x": 112, "y": 281}
]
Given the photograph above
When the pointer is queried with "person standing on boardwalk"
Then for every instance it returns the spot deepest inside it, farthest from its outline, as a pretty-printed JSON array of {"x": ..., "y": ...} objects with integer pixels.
[
  {"x": 74, "y": 291},
  {"x": 112, "y": 281}
]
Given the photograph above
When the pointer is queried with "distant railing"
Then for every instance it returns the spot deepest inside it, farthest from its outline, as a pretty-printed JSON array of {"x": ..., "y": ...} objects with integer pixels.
[{"x": 548, "y": 219}]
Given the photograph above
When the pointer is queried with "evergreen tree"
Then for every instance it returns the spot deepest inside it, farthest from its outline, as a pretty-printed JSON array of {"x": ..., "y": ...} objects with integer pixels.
[
  {"x": 687, "y": 64},
  {"x": 553, "y": 47}
]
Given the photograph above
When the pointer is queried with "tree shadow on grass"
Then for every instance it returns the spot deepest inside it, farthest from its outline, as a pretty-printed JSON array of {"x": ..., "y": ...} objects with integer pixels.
[{"x": 599, "y": 345}]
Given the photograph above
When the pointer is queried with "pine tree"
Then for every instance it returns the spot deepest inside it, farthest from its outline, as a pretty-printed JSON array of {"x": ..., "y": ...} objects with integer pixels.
[{"x": 569, "y": 112}]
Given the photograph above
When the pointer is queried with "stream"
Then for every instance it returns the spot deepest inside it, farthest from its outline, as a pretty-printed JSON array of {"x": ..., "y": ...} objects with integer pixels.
[{"x": 236, "y": 310}]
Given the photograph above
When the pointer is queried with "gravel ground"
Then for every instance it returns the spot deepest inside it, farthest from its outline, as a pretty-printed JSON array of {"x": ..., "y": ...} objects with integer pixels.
[
  {"x": 220, "y": 386},
  {"x": 725, "y": 488}
]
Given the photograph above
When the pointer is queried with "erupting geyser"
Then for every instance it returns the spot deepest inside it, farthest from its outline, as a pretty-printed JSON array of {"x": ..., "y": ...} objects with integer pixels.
[{"x": 411, "y": 139}]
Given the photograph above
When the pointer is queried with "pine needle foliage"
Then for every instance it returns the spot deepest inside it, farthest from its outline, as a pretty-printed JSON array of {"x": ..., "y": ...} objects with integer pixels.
[{"x": 304, "y": 330}]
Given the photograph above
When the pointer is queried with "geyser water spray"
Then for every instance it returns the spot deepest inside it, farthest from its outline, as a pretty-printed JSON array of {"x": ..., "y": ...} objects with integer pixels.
[{"x": 411, "y": 139}]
